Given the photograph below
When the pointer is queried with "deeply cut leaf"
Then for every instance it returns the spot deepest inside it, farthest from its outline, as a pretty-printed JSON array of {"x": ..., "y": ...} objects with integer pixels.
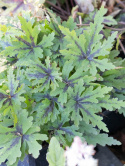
[{"x": 18, "y": 140}]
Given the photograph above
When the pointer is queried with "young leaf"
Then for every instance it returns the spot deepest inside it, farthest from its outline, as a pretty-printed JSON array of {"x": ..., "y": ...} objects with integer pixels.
[
  {"x": 7, "y": 34},
  {"x": 109, "y": 20},
  {"x": 55, "y": 155},
  {"x": 58, "y": 41},
  {"x": 44, "y": 76},
  {"x": 67, "y": 81},
  {"x": 62, "y": 130},
  {"x": 47, "y": 109}
]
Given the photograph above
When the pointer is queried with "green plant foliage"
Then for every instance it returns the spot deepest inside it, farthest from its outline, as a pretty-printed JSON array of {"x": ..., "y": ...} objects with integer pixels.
[
  {"x": 55, "y": 155},
  {"x": 47, "y": 108},
  {"x": 63, "y": 130},
  {"x": 11, "y": 95},
  {"x": 116, "y": 79},
  {"x": 58, "y": 80},
  {"x": 85, "y": 49},
  {"x": 26, "y": 47},
  {"x": 67, "y": 81},
  {"x": 44, "y": 76},
  {"x": 106, "y": 19},
  {"x": 92, "y": 135},
  {"x": 21, "y": 139}
]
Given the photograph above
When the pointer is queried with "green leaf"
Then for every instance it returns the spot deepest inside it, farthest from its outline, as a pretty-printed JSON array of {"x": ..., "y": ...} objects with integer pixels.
[
  {"x": 85, "y": 50},
  {"x": 67, "y": 81},
  {"x": 44, "y": 76},
  {"x": 109, "y": 20},
  {"x": 25, "y": 47},
  {"x": 111, "y": 103},
  {"x": 8, "y": 33},
  {"x": 47, "y": 109},
  {"x": 24, "y": 134},
  {"x": 116, "y": 79},
  {"x": 11, "y": 97},
  {"x": 85, "y": 101},
  {"x": 55, "y": 155},
  {"x": 59, "y": 42},
  {"x": 62, "y": 130},
  {"x": 117, "y": 61},
  {"x": 94, "y": 137},
  {"x": 102, "y": 139}
]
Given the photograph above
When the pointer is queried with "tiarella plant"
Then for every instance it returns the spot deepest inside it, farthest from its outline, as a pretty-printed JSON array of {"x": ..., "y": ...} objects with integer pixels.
[{"x": 58, "y": 79}]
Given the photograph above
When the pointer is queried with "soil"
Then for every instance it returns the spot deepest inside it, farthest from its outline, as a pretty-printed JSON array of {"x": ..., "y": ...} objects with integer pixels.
[{"x": 119, "y": 151}]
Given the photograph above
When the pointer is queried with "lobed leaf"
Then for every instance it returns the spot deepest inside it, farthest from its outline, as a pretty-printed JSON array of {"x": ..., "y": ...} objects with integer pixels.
[
  {"x": 86, "y": 49},
  {"x": 47, "y": 109},
  {"x": 93, "y": 135},
  {"x": 11, "y": 97},
  {"x": 16, "y": 141},
  {"x": 44, "y": 76},
  {"x": 85, "y": 101}
]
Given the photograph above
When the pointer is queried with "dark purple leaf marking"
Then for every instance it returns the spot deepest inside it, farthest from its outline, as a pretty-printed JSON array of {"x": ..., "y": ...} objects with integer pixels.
[
  {"x": 24, "y": 41},
  {"x": 26, "y": 137},
  {"x": 2, "y": 96},
  {"x": 80, "y": 103},
  {"x": 19, "y": 129},
  {"x": 90, "y": 57},
  {"x": 49, "y": 109},
  {"x": 91, "y": 42},
  {"x": 8, "y": 100},
  {"x": 15, "y": 141},
  {"x": 69, "y": 83},
  {"x": 67, "y": 130},
  {"x": 82, "y": 53},
  {"x": 105, "y": 20},
  {"x": 57, "y": 29},
  {"x": 37, "y": 75}
]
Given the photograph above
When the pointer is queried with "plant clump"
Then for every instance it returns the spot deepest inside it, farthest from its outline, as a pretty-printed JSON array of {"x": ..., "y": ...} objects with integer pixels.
[{"x": 57, "y": 82}]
